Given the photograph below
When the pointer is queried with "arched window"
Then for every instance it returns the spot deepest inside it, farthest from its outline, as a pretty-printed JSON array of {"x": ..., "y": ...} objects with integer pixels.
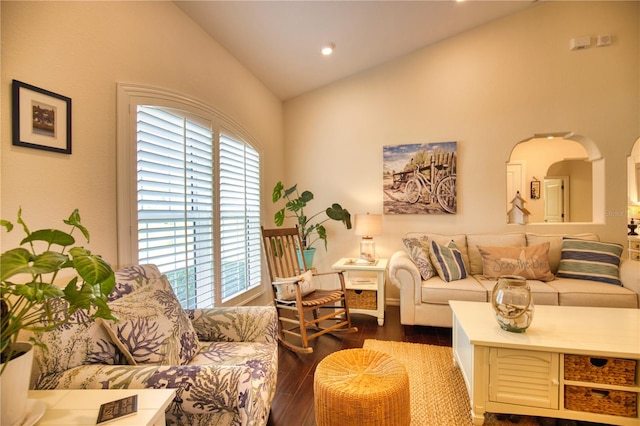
[{"x": 188, "y": 197}]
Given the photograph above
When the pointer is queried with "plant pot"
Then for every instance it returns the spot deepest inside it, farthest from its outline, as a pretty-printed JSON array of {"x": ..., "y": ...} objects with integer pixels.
[
  {"x": 308, "y": 256},
  {"x": 14, "y": 385}
]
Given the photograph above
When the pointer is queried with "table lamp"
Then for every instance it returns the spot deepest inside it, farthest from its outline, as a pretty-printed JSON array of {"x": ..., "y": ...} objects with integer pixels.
[
  {"x": 367, "y": 225},
  {"x": 632, "y": 211}
]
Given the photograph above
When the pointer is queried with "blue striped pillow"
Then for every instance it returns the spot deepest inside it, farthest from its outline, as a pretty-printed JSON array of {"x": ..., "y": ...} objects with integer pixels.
[
  {"x": 448, "y": 261},
  {"x": 590, "y": 260}
]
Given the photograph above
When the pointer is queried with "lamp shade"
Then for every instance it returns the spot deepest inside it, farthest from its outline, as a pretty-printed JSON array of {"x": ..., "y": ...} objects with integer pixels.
[{"x": 367, "y": 225}]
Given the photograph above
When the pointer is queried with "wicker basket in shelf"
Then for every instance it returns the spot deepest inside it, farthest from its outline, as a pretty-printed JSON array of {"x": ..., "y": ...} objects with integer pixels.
[
  {"x": 601, "y": 401},
  {"x": 362, "y": 299},
  {"x": 612, "y": 371}
]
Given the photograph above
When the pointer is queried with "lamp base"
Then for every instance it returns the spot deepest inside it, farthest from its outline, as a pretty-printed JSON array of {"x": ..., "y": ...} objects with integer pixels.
[{"x": 367, "y": 251}]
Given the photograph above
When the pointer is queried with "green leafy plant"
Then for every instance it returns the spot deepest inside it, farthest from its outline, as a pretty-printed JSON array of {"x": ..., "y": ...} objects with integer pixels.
[
  {"x": 29, "y": 298},
  {"x": 295, "y": 204}
]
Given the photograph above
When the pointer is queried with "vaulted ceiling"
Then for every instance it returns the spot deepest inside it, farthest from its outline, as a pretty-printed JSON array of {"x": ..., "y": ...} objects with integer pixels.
[{"x": 280, "y": 41}]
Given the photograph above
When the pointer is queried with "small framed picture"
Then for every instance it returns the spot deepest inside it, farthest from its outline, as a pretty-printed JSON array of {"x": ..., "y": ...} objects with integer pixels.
[
  {"x": 535, "y": 189},
  {"x": 41, "y": 119}
]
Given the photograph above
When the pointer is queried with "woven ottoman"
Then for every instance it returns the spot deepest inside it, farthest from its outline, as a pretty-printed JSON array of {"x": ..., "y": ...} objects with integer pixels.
[{"x": 361, "y": 387}]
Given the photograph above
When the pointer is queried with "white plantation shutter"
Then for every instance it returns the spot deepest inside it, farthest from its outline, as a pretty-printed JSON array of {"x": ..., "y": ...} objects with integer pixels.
[
  {"x": 240, "y": 240},
  {"x": 181, "y": 191}
]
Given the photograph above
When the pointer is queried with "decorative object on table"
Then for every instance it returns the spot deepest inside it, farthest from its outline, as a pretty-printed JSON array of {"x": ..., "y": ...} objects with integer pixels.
[
  {"x": 420, "y": 178},
  {"x": 513, "y": 303},
  {"x": 14, "y": 384},
  {"x": 518, "y": 213},
  {"x": 115, "y": 410},
  {"x": 310, "y": 232},
  {"x": 366, "y": 226},
  {"x": 535, "y": 189},
  {"x": 632, "y": 227},
  {"x": 31, "y": 300},
  {"x": 41, "y": 119}
]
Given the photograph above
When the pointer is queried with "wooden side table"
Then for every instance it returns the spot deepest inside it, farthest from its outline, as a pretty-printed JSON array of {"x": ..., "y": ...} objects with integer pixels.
[
  {"x": 80, "y": 406},
  {"x": 365, "y": 286}
]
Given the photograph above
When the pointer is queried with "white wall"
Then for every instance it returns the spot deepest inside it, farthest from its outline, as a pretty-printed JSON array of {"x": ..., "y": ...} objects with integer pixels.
[
  {"x": 80, "y": 50},
  {"x": 488, "y": 89}
]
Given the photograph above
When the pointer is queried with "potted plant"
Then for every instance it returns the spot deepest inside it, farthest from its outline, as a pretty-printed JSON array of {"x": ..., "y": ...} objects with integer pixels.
[
  {"x": 311, "y": 227},
  {"x": 30, "y": 299}
]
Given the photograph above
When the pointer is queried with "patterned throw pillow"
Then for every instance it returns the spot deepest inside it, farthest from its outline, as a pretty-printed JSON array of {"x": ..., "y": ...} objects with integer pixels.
[
  {"x": 84, "y": 340},
  {"x": 530, "y": 262},
  {"x": 153, "y": 328},
  {"x": 590, "y": 260},
  {"x": 418, "y": 249},
  {"x": 81, "y": 341},
  {"x": 286, "y": 287},
  {"x": 448, "y": 261}
]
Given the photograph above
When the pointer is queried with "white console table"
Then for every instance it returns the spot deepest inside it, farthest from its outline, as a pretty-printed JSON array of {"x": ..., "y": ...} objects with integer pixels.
[{"x": 525, "y": 373}]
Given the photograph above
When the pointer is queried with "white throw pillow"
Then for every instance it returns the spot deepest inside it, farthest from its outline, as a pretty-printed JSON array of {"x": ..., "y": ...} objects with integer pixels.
[{"x": 286, "y": 287}]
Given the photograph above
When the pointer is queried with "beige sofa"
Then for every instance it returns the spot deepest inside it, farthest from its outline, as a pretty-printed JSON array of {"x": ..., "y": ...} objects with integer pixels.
[{"x": 426, "y": 302}]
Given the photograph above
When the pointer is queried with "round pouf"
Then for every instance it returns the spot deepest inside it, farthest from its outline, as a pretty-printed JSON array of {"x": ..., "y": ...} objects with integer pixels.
[{"x": 361, "y": 387}]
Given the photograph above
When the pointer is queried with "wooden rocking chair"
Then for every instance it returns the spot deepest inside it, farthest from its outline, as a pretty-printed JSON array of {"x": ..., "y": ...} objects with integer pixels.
[{"x": 295, "y": 296}]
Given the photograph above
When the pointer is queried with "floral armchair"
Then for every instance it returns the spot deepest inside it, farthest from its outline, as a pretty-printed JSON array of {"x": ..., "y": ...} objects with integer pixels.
[{"x": 222, "y": 362}]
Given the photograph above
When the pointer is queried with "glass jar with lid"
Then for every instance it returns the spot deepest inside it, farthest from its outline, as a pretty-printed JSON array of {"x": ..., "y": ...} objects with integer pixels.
[{"x": 513, "y": 303}]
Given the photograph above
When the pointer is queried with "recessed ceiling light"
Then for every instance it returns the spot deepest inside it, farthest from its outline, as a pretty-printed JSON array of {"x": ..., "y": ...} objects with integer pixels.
[{"x": 328, "y": 49}]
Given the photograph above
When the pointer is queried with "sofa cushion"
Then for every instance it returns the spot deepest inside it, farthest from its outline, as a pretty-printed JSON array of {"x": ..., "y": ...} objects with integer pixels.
[
  {"x": 575, "y": 292},
  {"x": 542, "y": 292},
  {"x": 448, "y": 261},
  {"x": 492, "y": 240},
  {"x": 530, "y": 262},
  {"x": 130, "y": 278},
  {"x": 443, "y": 239},
  {"x": 439, "y": 292},
  {"x": 286, "y": 287},
  {"x": 555, "y": 245},
  {"x": 418, "y": 249},
  {"x": 590, "y": 260},
  {"x": 153, "y": 328},
  {"x": 83, "y": 340}
]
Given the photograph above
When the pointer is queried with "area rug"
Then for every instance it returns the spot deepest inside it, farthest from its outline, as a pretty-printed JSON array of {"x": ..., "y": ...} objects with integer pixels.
[{"x": 437, "y": 391}]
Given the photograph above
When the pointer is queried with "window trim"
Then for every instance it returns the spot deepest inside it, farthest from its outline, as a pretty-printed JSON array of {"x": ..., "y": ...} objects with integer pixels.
[{"x": 128, "y": 96}]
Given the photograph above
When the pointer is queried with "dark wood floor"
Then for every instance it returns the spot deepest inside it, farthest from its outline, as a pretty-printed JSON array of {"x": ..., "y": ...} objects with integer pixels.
[{"x": 293, "y": 403}]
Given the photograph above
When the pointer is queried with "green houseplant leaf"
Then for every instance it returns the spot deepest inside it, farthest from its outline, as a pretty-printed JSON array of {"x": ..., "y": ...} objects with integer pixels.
[
  {"x": 311, "y": 227},
  {"x": 31, "y": 299}
]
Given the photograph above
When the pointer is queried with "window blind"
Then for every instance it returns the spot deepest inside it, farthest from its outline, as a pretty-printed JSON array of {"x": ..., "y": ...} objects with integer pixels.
[
  {"x": 176, "y": 201},
  {"x": 240, "y": 239}
]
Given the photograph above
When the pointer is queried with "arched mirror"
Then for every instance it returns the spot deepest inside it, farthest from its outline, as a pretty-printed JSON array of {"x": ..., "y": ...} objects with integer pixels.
[{"x": 553, "y": 174}]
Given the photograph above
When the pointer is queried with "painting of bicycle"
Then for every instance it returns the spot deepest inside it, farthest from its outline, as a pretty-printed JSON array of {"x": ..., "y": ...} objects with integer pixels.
[{"x": 420, "y": 178}]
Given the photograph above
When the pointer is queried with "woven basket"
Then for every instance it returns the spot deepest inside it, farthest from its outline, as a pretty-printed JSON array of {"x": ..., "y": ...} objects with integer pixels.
[
  {"x": 362, "y": 299},
  {"x": 612, "y": 371},
  {"x": 601, "y": 401}
]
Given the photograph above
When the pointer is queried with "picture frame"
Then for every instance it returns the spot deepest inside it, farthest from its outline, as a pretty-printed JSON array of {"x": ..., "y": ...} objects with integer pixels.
[
  {"x": 420, "y": 178},
  {"x": 40, "y": 119},
  {"x": 535, "y": 189}
]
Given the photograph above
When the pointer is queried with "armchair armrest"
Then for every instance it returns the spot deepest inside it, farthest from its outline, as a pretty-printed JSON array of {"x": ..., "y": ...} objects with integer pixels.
[
  {"x": 235, "y": 324},
  {"x": 630, "y": 275},
  {"x": 404, "y": 274},
  {"x": 199, "y": 388}
]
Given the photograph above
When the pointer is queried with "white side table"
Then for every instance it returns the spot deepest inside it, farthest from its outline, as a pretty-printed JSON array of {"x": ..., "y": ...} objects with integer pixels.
[
  {"x": 365, "y": 286},
  {"x": 80, "y": 406}
]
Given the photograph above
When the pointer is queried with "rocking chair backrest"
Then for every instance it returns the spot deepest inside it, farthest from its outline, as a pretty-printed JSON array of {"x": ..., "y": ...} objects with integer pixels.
[{"x": 282, "y": 252}]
